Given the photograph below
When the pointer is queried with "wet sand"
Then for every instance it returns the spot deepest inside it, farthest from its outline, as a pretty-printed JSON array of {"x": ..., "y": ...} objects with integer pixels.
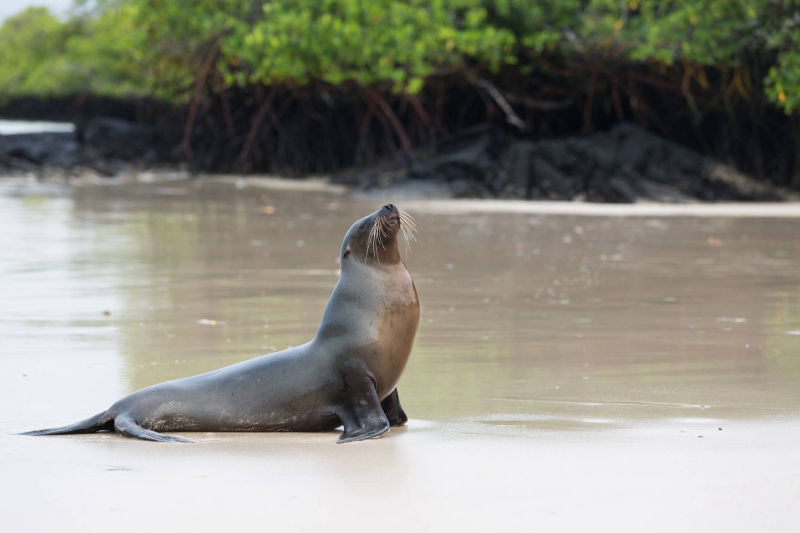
[{"x": 573, "y": 370}]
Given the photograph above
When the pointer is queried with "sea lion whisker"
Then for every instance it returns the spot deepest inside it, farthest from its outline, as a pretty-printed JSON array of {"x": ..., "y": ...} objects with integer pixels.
[
  {"x": 370, "y": 238},
  {"x": 406, "y": 216},
  {"x": 404, "y": 231},
  {"x": 406, "y": 220},
  {"x": 383, "y": 233},
  {"x": 404, "y": 213},
  {"x": 383, "y": 228},
  {"x": 409, "y": 229},
  {"x": 374, "y": 236},
  {"x": 405, "y": 239}
]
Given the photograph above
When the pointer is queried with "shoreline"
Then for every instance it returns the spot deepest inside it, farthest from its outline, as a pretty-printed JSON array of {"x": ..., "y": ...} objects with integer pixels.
[
  {"x": 25, "y": 186},
  {"x": 644, "y": 209}
]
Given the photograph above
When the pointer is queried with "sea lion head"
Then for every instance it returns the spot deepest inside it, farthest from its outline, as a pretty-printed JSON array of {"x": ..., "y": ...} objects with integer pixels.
[{"x": 373, "y": 239}]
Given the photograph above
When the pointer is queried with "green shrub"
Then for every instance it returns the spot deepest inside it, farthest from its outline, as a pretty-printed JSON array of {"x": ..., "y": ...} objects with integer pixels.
[{"x": 163, "y": 47}]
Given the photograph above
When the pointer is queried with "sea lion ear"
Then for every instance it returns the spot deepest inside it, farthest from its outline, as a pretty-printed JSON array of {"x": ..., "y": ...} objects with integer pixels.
[{"x": 346, "y": 253}]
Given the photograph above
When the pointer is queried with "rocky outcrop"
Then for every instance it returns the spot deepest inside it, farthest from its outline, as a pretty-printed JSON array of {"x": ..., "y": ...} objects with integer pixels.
[
  {"x": 626, "y": 164},
  {"x": 104, "y": 146}
]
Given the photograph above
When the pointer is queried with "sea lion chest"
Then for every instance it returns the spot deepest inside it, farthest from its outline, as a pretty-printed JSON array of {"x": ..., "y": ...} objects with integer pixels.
[{"x": 378, "y": 310}]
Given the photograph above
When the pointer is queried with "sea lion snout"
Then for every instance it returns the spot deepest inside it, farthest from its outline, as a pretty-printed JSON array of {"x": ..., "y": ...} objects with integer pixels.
[{"x": 390, "y": 215}]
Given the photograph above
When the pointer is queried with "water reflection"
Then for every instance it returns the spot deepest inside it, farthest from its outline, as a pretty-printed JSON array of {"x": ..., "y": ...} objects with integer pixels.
[{"x": 528, "y": 321}]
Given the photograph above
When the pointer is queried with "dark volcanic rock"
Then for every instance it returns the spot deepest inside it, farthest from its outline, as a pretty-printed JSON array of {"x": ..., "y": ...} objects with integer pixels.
[
  {"x": 39, "y": 148},
  {"x": 29, "y": 151},
  {"x": 626, "y": 164},
  {"x": 114, "y": 138},
  {"x": 103, "y": 145},
  {"x": 469, "y": 170}
]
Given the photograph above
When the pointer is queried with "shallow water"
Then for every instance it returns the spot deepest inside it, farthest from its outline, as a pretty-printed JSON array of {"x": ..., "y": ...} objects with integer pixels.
[{"x": 643, "y": 370}]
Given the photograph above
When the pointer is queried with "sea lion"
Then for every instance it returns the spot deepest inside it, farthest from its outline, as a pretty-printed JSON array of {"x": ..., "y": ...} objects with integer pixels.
[{"x": 346, "y": 375}]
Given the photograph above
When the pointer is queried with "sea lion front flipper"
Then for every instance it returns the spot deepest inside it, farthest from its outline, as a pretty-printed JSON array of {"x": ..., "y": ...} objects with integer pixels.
[
  {"x": 362, "y": 417},
  {"x": 125, "y": 425},
  {"x": 391, "y": 407}
]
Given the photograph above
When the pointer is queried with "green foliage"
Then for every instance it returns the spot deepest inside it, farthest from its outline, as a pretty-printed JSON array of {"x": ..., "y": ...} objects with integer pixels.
[
  {"x": 31, "y": 57},
  {"x": 40, "y": 55},
  {"x": 104, "y": 56},
  {"x": 381, "y": 41},
  {"x": 704, "y": 32},
  {"x": 167, "y": 48},
  {"x": 728, "y": 35},
  {"x": 179, "y": 40},
  {"x": 783, "y": 80}
]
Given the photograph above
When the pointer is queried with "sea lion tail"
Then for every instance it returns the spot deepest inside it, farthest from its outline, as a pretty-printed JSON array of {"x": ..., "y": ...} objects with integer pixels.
[{"x": 92, "y": 424}]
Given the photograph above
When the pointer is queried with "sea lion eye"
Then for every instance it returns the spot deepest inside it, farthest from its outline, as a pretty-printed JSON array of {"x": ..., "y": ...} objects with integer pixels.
[{"x": 346, "y": 254}]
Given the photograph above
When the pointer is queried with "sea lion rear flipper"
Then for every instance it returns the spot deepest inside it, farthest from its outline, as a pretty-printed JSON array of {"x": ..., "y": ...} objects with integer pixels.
[
  {"x": 391, "y": 407},
  {"x": 363, "y": 417},
  {"x": 93, "y": 424},
  {"x": 127, "y": 426}
]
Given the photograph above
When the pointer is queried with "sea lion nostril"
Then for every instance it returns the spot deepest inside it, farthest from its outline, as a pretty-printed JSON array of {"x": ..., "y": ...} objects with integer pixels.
[{"x": 389, "y": 207}]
